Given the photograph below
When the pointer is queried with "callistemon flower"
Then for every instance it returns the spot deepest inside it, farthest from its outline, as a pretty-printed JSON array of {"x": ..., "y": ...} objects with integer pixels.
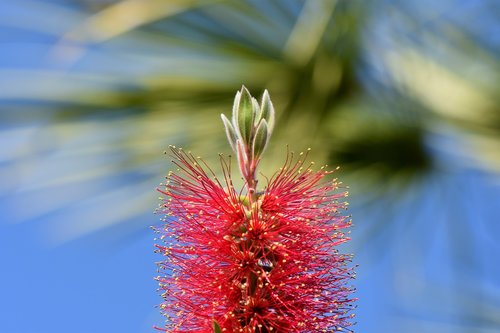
[{"x": 253, "y": 259}]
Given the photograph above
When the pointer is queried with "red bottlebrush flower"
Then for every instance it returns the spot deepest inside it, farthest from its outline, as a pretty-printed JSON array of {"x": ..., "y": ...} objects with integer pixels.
[{"x": 247, "y": 261}]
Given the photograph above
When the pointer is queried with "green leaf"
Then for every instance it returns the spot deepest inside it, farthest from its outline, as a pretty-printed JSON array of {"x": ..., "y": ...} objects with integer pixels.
[
  {"x": 232, "y": 136},
  {"x": 256, "y": 112},
  {"x": 236, "y": 104},
  {"x": 260, "y": 139},
  {"x": 216, "y": 327},
  {"x": 267, "y": 111},
  {"x": 244, "y": 115}
]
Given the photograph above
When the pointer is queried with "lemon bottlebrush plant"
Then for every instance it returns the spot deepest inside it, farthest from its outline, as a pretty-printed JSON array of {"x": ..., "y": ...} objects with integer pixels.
[{"x": 252, "y": 259}]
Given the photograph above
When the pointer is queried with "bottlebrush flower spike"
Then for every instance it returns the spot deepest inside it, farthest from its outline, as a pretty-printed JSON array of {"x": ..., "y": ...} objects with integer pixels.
[{"x": 248, "y": 261}]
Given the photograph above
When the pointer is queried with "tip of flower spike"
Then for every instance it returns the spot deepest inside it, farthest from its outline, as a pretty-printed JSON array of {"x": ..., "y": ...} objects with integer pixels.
[{"x": 249, "y": 130}]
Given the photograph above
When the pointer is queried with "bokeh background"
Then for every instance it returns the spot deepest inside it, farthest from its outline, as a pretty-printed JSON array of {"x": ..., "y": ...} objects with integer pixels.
[{"x": 403, "y": 95}]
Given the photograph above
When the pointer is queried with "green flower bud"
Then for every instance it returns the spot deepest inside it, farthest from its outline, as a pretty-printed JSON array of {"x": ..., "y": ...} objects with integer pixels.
[
  {"x": 232, "y": 136},
  {"x": 267, "y": 111},
  {"x": 244, "y": 115},
  {"x": 260, "y": 140}
]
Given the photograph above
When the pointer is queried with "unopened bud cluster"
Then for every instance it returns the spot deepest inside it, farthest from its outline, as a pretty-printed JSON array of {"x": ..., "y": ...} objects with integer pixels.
[{"x": 249, "y": 131}]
